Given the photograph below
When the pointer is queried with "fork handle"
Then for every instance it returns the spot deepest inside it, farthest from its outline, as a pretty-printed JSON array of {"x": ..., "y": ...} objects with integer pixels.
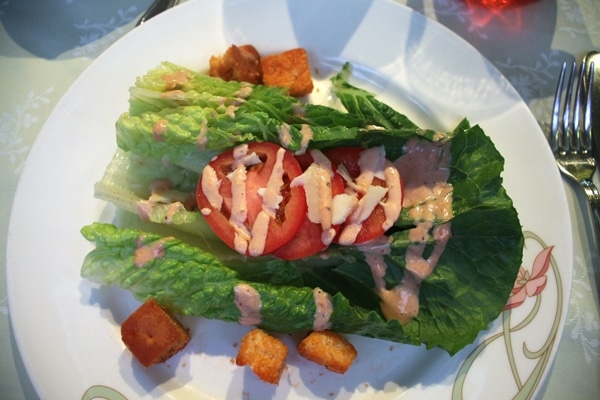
[{"x": 593, "y": 196}]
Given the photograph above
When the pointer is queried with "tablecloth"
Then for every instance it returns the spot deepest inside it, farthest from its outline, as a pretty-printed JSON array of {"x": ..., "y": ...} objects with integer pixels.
[{"x": 45, "y": 45}]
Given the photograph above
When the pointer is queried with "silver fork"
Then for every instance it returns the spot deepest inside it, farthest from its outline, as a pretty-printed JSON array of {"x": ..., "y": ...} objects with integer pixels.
[{"x": 571, "y": 134}]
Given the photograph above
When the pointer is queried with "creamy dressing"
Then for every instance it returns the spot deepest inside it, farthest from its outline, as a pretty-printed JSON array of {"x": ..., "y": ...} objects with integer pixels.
[
  {"x": 426, "y": 190},
  {"x": 176, "y": 79},
  {"x": 365, "y": 206},
  {"x": 393, "y": 302},
  {"x": 248, "y": 301},
  {"x": 393, "y": 180},
  {"x": 372, "y": 164},
  {"x": 244, "y": 92},
  {"x": 202, "y": 138},
  {"x": 159, "y": 129},
  {"x": 253, "y": 240},
  {"x": 162, "y": 193},
  {"x": 421, "y": 267},
  {"x": 144, "y": 209},
  {"x": 299, "y": 110},
  {"x": 316, "y": 181},
  {"x": 241, "y": 156},
  {"x": 271, "y": 194},
  {"x": 400, "y": 302},
  {"x": 285, "y": 137},
  {"x": 173, "y": 209},
  {"x": 239, "y": 210},
  {"x": 307, "y": 135},
  {"x": 425, "y": 170},
  {"x": 230, "y": 111},
  {"x": 210, "y": 187},
  {"x": 144, "y": 253},
  {"x": 272, "y": 197},
  {"x": 324, "y": 309}
]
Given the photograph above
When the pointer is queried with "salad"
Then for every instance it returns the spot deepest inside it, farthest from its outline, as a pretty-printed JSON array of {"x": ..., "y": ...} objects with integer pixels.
[{"x": 453, "y": 263}]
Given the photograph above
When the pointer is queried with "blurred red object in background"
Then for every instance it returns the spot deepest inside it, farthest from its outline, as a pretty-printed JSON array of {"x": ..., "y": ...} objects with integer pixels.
[{"x": 498, "y": 4}]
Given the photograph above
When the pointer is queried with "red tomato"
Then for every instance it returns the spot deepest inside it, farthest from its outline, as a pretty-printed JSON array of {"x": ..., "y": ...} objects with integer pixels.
[
  {"x": 308, "y": 238},
  {"x": 371, "y": 227},
  {"x": 287, "y": 217}
]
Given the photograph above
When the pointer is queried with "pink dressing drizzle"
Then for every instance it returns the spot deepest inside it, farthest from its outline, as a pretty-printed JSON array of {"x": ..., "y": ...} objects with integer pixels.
[
  {"x": 247, "y": 300},
  {"x": 271, "y": 196},
  {"x": 373, "y": 164},
  {"x": 425, "y": 170},
  {"x": 316, "y": 181},
  {"x": 159, "y": 129},
  {"x": 144, "y": 253},
  {"x": 176, "y": 79},
  {"x": 324, "y": 309}
]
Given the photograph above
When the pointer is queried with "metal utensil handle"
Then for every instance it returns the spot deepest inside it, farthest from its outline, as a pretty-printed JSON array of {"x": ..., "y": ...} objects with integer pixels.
[
  {"x": 156, "y": 8},
  {"x": 594, "y": 57},
  {"x": 593, "y": 196}
]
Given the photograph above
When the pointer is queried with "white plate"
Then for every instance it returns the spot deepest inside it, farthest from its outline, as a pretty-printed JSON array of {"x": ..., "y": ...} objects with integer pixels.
[{"x": 68, "y": 329}]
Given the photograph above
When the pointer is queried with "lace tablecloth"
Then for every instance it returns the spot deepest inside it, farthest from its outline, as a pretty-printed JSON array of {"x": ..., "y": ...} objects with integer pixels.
[{"x": 45, "y": 45}]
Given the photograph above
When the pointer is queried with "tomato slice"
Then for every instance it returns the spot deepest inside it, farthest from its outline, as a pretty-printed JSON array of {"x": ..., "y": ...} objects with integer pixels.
[
  {"x": 245, "y": 196},
  {"x": 375, "y": 224},
  {"x": 309, "y": 238}
]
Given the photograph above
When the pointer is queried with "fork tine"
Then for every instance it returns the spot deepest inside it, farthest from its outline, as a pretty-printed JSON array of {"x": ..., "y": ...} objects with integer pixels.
[
  {"x": 586, "y": 138},
  {"x": 568, "y": 128},
  {"x": 577, "y": 134},
  {"x": 556, "y": 138},
  {"x": 569, "y": 133}
]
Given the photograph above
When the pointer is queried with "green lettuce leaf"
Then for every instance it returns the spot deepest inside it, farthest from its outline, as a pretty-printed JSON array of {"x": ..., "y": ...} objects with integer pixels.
[
  {"x": 191, "y": 281},
  {"x": 362, "y": 103}
]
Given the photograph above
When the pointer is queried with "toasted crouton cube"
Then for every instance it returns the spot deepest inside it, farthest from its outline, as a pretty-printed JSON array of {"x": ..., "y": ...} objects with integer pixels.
[
  {"x": 240, "y": 64},
  {"x": 329, "y": 349},
  {"x": 152, "y": 334},
  {"x": 289, "y": 69},
  {"x": 264, "y": 354}
]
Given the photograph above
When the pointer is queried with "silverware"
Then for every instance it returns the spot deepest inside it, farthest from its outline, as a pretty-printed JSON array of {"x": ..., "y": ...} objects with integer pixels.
[
  {"x": 570, "y": 135},
  {"x": 156, "y": 8},
  {"x": 593, "y": 58}
]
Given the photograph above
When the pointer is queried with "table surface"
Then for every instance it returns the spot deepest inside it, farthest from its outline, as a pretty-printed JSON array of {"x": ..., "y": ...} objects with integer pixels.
[{"x": 45, "y": 45}]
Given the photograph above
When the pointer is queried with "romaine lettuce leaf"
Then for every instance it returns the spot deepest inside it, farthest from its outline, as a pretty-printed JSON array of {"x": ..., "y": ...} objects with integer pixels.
[
  {"x": 362, "y": 103},
  {"x": 191, "y": 281}
]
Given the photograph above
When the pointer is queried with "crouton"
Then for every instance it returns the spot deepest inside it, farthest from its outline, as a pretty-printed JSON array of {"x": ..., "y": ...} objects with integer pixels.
[
  {"x": 329, "y": 349},
  {"x": 152, "y": 334},
  {"x": 264, "y": 354},
  {"x": 240, "y": 64},
  {"x": 289, "y": 69}
]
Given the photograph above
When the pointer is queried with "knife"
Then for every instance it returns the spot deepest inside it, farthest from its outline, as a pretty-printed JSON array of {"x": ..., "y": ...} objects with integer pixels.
[
  {"x": 594, "y": 56},
  {"x": 156, "y": 8}
]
